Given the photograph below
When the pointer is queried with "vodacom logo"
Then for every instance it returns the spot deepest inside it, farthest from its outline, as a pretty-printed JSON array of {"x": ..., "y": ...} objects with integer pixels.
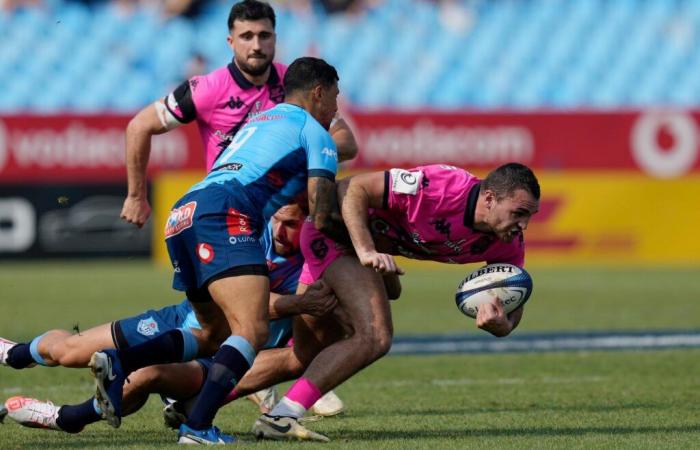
[
  {"x": 665, "y": 143},
  {"x": 3, "y": 145}
]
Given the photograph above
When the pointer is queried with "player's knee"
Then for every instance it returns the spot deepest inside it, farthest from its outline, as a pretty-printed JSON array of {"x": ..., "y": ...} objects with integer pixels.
[
  {"x": 210, "y": 339},
  {"x": 375, "y": 342},
  {"x": 146, "y": 379},
  {"x": 68, "y": 355}
]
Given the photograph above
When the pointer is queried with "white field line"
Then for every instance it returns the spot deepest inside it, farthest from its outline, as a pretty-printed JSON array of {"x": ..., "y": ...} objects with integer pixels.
[{"x": 547, "y": 343}]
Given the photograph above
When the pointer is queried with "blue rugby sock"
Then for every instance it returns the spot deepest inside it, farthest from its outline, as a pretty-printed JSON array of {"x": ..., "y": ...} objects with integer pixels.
[
  {"x": 167, "y": 348},
  {"x": 231, "y": 362},
  {"x": 73, "y": 418}
]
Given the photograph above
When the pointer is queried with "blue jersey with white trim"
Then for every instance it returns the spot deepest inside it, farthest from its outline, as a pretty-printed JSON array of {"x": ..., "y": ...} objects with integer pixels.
[{"x": 273, "y": 155}]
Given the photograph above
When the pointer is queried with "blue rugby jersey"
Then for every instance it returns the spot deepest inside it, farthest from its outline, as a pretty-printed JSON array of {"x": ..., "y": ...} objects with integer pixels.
[{"x": 273, "y": 155}]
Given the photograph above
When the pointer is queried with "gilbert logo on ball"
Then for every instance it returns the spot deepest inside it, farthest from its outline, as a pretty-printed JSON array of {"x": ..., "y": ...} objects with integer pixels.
[{"x": 510, "y": 284}]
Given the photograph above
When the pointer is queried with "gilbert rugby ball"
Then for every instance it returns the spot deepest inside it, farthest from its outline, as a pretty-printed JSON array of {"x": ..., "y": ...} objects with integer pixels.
[{"x": 511, "y": 284}]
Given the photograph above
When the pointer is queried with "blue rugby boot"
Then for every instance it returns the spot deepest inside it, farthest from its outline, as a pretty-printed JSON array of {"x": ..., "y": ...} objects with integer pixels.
[
  {"x": 109, "y": 385},
  {"x": 210, "y": 436}
]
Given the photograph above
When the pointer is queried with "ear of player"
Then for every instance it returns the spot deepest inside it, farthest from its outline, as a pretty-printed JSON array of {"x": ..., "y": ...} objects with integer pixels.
[{"x": 512, "y": 285}]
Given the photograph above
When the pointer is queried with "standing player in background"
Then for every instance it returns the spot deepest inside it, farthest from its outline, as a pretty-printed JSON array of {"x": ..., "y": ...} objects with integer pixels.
[
  {"x": 439, "y": 213},
  {"x": 220, "y": 102},
  {"x": 280, "y": 156},
  {"x": 177, "y": 381}
]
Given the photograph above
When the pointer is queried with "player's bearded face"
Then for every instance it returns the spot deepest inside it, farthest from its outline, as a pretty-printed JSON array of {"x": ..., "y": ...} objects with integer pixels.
[
  {"x": 253, "y": 44},
  {"x": 286, "y": 229},
  {"x": 510, "y": 215}
]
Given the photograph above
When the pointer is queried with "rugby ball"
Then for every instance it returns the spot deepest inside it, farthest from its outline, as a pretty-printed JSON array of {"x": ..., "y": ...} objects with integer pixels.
[{"x": 511, "y": 284}]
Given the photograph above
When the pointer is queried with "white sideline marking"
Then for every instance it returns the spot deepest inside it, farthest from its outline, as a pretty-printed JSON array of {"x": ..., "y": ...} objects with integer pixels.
[
  {"x": 488, "y": 381},
  {"x": 545, "y": 342}
]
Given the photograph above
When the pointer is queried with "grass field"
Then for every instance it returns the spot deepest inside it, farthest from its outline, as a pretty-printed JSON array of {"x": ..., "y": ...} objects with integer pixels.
[{"x": 647, "y": 399}]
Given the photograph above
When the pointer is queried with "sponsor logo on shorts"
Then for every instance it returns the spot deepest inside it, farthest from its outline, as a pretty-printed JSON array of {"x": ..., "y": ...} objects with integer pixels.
[
  {"x": 233, "y": 240},
  {"x": 205, "y": 252},
  {"x": 147, "y": 327},
  {"x": 319, "y": 248},
  {"x": 237, "y": 223},
  {"x": 180, "y": 219}
]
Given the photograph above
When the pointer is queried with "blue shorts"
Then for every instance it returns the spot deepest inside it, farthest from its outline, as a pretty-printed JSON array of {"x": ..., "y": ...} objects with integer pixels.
[
  {"x": 211, "y": 230},
  {"x": 152, "y": 323}
]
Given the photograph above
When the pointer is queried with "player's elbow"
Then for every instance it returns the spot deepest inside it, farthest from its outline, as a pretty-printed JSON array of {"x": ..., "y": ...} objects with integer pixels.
[{"x": 347, "y": 151}]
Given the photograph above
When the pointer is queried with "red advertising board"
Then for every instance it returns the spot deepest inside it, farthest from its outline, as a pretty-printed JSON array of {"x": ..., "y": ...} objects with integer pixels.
[
  {"x": 660, "y": 143},
  {"x": 71, "y": 148}
]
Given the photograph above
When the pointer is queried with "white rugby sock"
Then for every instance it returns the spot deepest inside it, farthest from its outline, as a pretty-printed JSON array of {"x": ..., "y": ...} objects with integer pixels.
[{"x": 287, "y": 407}]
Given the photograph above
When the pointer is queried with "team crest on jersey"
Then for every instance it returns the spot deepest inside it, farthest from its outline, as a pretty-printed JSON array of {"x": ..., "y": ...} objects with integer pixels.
[
  {"x": 405, "y": 182},
  {"x": 237, "y": 223},
  {"x": 180, "y": 219},
  {"x": 147, "y": 327}
]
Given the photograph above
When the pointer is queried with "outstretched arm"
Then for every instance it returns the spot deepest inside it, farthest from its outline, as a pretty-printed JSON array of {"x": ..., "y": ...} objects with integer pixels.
[
  {"x": 360, "y": 193},
  {"x": 141, "y": 128}
]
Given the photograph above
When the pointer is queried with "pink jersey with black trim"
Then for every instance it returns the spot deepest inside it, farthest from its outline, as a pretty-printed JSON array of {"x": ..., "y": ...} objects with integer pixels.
[
  {"x": 429, "y": 214},
  {"x": 221, "y": 102}
]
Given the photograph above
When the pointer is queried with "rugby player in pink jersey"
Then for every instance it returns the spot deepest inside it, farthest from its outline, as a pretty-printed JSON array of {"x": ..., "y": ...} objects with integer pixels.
[
  {"x": 220, "y": 102},
  {"x": 439, "y": 213}
]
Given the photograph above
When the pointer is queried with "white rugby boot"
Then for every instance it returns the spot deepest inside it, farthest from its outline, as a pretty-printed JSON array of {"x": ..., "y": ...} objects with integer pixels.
[
  {"x": 5, "y": 347},
  {"x": 329, "y": 405},
  {"x": 32, "y": 413},
  {"x": 284, "y": 428}
]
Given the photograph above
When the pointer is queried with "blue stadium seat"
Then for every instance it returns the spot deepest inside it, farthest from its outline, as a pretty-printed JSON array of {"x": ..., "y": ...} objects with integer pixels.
[{"x": 503, "y": 54}]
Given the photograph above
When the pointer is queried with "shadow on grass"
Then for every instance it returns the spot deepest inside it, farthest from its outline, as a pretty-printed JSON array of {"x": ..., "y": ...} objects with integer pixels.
[
  {"x": 534, "y": 407},
  {"x": 510, "y": 432}
]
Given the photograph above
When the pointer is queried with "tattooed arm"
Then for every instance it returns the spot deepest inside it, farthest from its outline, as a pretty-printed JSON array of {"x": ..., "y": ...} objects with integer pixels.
[{"x": 323, "y": 207}]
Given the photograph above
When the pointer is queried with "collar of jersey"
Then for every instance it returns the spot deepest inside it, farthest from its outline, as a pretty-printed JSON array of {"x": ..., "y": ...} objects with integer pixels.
[
  {"x": 471, "y": 205},
  {"x": 243, "y": 82}
]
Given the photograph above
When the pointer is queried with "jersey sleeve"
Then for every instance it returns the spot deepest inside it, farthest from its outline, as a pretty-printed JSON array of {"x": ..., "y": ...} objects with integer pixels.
[
  {"x": 322, "y": 155},
  {"x": 180, "y": 103},
  {"x": 194, "y": 98}
]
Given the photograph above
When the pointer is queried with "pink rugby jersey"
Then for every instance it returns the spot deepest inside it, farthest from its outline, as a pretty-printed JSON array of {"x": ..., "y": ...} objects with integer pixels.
[
  {"x": 428, "y": 214},
  {"x": 221, "y": 102}
]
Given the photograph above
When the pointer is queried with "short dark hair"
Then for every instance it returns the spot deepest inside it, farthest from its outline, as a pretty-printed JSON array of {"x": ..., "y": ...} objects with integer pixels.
[
  {"x": 250, "y": 10},
  {"x": 508, "y": 178},
  {"x": 306, "y": 72}
]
